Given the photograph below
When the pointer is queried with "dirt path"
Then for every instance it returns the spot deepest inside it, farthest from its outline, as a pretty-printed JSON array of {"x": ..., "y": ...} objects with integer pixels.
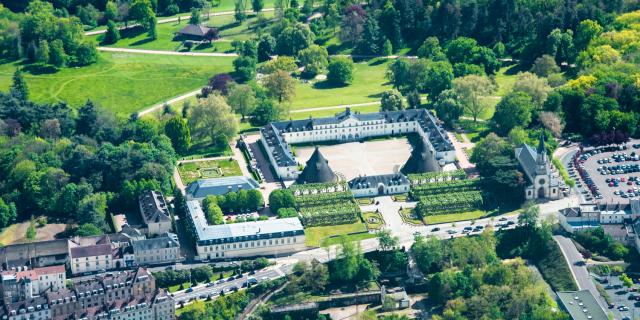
[
  {"x": 167, "y": 20},
  {"x": 168, "y": 53}
]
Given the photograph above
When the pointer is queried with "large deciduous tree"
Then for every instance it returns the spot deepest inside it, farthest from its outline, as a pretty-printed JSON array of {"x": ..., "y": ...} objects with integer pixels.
[
  {"x": 280, "y": 86},
  {"x": 470, "y": 89},
  {"x": 513, "y": 110},
  {"x": 242, "y": 99},
  {"x": 178, "y": 131},
  {"x": 212, "y": 119}
]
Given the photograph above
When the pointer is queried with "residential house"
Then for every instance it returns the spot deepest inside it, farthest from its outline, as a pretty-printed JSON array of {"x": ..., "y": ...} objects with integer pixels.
[
  {"x": 160, "y": 250},
  {"x": 154, "y": 212},
  {"x": 90, "y": 254}
]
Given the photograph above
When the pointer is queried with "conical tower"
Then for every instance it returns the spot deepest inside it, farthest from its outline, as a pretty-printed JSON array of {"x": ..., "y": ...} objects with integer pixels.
[
  {"x": 317, "y": 170},
  {"x": 422, "y": 160},
  {"x": 541, "y": 159}
]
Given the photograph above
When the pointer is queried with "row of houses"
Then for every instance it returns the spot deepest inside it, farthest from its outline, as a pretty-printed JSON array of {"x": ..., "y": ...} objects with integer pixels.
[{"x": 45, "y": 293}]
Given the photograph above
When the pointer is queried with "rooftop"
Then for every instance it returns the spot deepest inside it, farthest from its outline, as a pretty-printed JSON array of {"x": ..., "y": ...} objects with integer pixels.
[
  {"x": 366, "y": 182},
  {"x": 218, "y": 186},
  {"x": 581, "y": 305},
  {"x": 163, "y": 241},
  {"x": 234, "y": 232},
  {"x": 153, "y": 207}
]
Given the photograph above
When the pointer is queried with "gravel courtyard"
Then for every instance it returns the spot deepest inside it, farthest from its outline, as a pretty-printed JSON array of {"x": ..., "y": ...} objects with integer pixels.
[{"x": 352, "y": 159}]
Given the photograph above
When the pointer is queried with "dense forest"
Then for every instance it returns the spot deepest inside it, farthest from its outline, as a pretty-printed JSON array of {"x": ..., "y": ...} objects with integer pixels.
[{"x": 75, "y": 165}]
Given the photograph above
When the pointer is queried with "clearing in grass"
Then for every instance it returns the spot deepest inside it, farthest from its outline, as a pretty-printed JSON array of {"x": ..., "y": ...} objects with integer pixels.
[{"x": 121, "y": 82}]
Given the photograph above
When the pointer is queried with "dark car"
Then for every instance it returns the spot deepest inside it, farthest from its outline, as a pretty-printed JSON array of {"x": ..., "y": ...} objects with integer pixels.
[
  {"x": 189, "y": 290},
  {"x": 580, "y": 263},
  {"x": 436, "y": 229},
  {"x": 252, "y": 272}
]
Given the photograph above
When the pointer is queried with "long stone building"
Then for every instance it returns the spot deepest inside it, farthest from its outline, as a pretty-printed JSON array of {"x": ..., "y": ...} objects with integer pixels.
[
  {"x": 276, "y": 137},
  {"x": 247, "y": 239}
]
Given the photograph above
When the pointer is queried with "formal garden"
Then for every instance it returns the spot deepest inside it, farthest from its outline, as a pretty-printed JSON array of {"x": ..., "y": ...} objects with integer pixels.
[{"x": 205, "y": 169}]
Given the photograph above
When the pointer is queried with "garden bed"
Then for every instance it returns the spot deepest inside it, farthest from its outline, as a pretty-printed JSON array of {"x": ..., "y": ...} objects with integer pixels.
[
  {"x": 192, "y": 171},
  {"x": 373, "y": 220}
]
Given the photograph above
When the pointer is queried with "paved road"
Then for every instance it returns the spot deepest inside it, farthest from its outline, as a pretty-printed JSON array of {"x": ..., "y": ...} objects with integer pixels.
[
  {"x": 168, "y": 53},
  {"x": 579, "y": 272}
]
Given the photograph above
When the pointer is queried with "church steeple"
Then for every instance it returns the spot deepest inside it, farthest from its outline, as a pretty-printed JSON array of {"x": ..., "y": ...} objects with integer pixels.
[{"x": 541, "y": 159}]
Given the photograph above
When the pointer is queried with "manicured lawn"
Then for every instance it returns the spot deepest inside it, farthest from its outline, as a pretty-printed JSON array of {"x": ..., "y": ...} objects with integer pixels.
[
  {"x": 229, "y": 30},
  {"x": 192, "y": 171},
  {"x": 444, "y": 218},
  {"x": 373, "y": 220},
  {"x": 332, "y": 112},
  {"x": 121, "y": 82},
  {"x": 368, "y": 84},
  {"x": 316, "y": 235},
  {"x": 350, "y": 238}
]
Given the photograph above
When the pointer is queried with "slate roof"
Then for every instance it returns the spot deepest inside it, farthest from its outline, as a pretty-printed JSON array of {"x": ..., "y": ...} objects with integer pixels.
[
  {"x": 422, "y": 159},
  {"x": 366, "y": 182},
  {"x": 153, "y": 207},
  {"x": 217, "y": 186},
  {"x": 234, "y": 232},
  {"x": 194, "y": 30},
  {"x": 317, "y": 170},
  {"x": 528, "y": 159},
  {"x": 285, "y": 158},
  {"x": 581, "y": 305},
  {"x": 161, "y": 242},
  {"x": 80, "y": 247}
]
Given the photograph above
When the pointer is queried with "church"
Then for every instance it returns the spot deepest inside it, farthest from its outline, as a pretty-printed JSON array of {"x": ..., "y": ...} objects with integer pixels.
[{"x": 541, "y": 183}]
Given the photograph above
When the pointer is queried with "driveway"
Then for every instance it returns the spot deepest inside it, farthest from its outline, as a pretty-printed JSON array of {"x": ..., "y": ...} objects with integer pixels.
[{"x": 580, "y": 273}]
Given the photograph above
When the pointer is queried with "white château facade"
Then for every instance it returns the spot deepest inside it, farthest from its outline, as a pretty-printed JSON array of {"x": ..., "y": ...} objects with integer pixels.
[{"x": 276, "y": 137}]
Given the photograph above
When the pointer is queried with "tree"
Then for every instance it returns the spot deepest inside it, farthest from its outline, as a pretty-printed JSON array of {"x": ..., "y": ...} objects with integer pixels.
[
  {"x": 93, "y": 209},
  {"x": 387, "y": 241},
  {"x": 142, "y": 12},
  {"x": 431, "y": 49},
  {"x": 469, "y": 89},
  {"x": 57, "y": 56},
  {"x": 266, "y": 47},
  {"x": 178, "y": 131},
  {"x": 587, "y": 31},
  {"x": 314, "y": 59},
  {"x": 42, "y": 55},
  {"x": 257, "y": 5},
  {"x": 529, "y": 217},
  {"x": 448, "y": 107},
  {"x": 239, "y": 11},
  {"x": 245, "y": 68},
  {"x": 284, "y": 63},
  {"x": 414, "y": 101},
  {"x": 221, "y": 83},
  {"x": 372, "y": 40},
  {"x": 537, "y": 88},
  {"x": 552, "y": 122},
  {"x": 8, "y": 213},
  {"x": 281, "y": 198},
  {"x": 438, "y": 77},
  {"x": 242, "y": 99},
  {"x": 86, "y": 54},
  {"x": 293, "y": 39},
  {"x": 626, "y": 281},
  {"x": 280, "y": 86},
  {"x": 31, "y": 230},
  {"x": 352, "y": 24},
  {"x": 112, "y": 35},
  {"x": 513, "y": 110},
  {"x": 560, "y": 45},
  {"x": 110, "y": 11},
  {"x": 340, "y": 71},
  {"x": 266, "y": 111},
  {"x": 196, "y": 16},
  {"x": 212, "y": 118},
  {"x": 87, "y": 119},
  {"x": 153, "y": 31},
  {"x": 391, "y": 101},
  {"x": 50, "y": 129},
  {"x": 19, "y": 88},
  {"x": 212, "y": 211}
]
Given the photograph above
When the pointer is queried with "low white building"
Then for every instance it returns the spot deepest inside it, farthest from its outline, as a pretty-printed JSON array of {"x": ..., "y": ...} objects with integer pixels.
[
  {"x": 276, "y": 137},
  {"x": 248, "y": 239},
  {"x": 160, "y": 250},
  {"x": 590, "y": 215},
  {"x": 23, "y": 283},
  {"x": 386, "y": 184}
]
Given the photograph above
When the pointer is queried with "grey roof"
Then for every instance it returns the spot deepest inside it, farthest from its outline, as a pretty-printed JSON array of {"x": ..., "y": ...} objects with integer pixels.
[
  {"x": 234, "y": 232},
  {"x": 194, "y": 30},
  {"x": 394, "y": 179},
  {"x": 317, "y": 170},
  {"x": 528, "y": 159},
  {"x": 422, "y": 159},
  {"x": 91, "y": 251},
  {"x": 285, "y": 158},
  {"x": 217, "y": 186},
  {"x": 164, "y": 241},
  {"x": 153, "y": 207},
  {"x": 581, "y": 305}
]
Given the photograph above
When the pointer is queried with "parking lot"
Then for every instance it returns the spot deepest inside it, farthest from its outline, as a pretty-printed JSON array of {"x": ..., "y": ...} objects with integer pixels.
[
  {"x": 609, "y": 174},
  {"x": 625, "y": 306}
]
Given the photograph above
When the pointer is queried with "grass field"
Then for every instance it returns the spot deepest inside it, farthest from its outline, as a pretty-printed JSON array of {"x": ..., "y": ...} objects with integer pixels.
[
  {"x": 192, "y": 171},
  {"x": 317, "y": 236},
  {"x": 121, "y": 82},
  {"x": 229, "y": 30},
  {"x": 368, "y": 84},
  {"x": 444, "y": 218}
]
